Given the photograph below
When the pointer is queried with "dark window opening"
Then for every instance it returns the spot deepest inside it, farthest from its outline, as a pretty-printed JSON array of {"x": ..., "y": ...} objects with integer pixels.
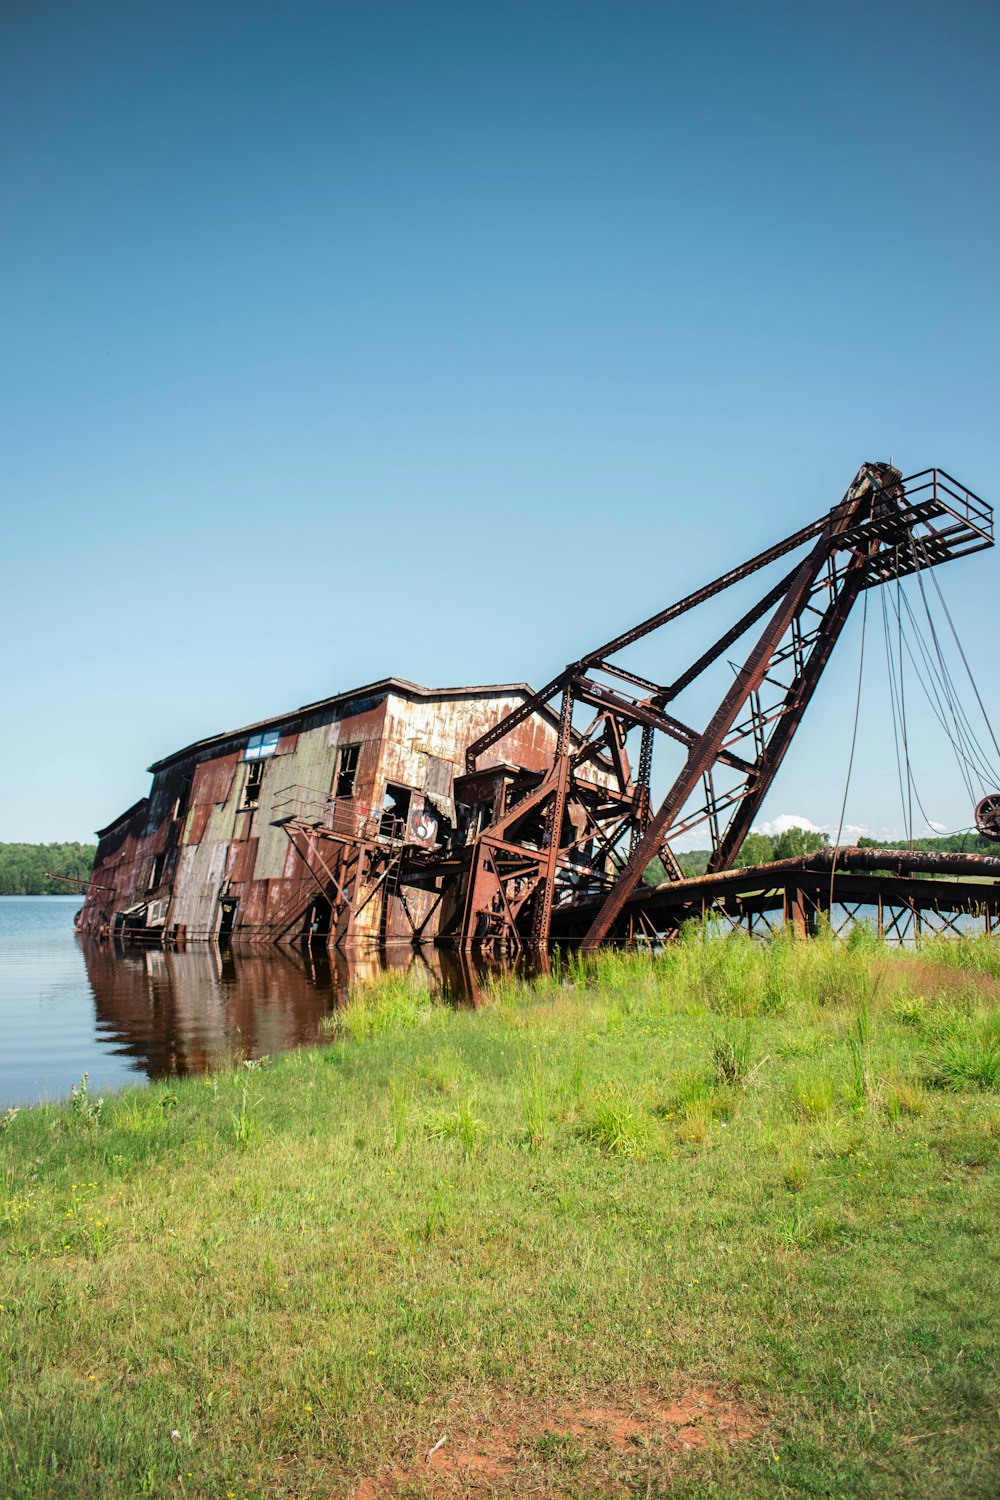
[
  {"x": 181, "y": 805},
  {"x": 255, "y": 776},
  {"x": 395, "y": 811},
  {"x": 156, "y": 873},
  {"x": 347, "y": 770}
]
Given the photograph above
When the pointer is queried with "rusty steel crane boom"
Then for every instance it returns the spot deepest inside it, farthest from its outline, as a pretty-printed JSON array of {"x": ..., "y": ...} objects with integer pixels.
[{"x": 547, "y": 852}]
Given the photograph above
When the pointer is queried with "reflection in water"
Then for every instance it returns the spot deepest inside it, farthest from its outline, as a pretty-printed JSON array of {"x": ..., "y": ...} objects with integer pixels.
[{"x": 186, "y": 1011}]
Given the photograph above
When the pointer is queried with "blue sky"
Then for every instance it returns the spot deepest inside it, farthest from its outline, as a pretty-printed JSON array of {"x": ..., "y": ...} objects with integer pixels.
[{"x": 445, "y": 340}]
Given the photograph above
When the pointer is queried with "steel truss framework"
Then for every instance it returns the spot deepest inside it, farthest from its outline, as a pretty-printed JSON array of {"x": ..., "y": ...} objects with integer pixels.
[
  {"x": 561, "y": 852},
  {"x": 581, "y": 836},
  {"x": 887, "y": 888},
  {"x": 894, "y": 914}
]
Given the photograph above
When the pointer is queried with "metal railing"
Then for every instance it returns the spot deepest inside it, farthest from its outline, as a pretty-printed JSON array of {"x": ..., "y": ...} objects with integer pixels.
[
  {"x": 952, "y": 497},
  {"x": 304, "y": 804}
]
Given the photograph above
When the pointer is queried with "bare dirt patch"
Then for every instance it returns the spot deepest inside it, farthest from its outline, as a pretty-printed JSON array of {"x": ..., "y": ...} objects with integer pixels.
[
  {"x": 941, "y": 979},
  {"x": 526, "y": 1448}
]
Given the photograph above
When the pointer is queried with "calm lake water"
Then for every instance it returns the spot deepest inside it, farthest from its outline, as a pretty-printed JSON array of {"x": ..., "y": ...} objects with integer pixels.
[{"x": 68, "y": 1007}]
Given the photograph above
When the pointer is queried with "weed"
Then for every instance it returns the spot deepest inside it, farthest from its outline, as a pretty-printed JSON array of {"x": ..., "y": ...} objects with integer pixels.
[
  {"x": 559, "y": 1447},
  {"x": 903, "y": 1099},
  {"x": 804, "y": 1228},
  {"x": 535, "y": 1102},
  {"x": 838, "y": 976},
  {"x": 968, "y": 1059},
  {"x": 8, "y": 1117},
  {"x": 731, "y": 1053},
  {"x": 943, "y": 1022},
  {"x": 438, "y": 1217},
  {"x": 695, "y": 1127},
  {"x": 246, "y": 1130},
  {"x": 908, "y": 1010},
  {"x": 794, "y": 1177},
  {"x": 575, "y": 1081},
  {"x": 399, "y": 1112},
  {"x": 131, "y": 1113},
  {"x": 442, "y": 1072},
  {"x": 971, "y": 955},
  {"x": 797, "y": 1046},
  {"x": 859, "y": 1042},
  {"x": 617, "y": 1122},
  {"x": 14, "y": 1210},
  {"x": 400, "y": 1002},
  {"x": 812, "y": 1097},
  {"x": 686, "y": 1087},
  {"x": 863, "y": 941},
  {"x": 460, "y": 1125},
  {"x": 86, "y": 1109}
]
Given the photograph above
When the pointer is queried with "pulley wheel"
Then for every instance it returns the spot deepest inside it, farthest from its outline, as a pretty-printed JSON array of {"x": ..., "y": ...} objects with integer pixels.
[{"x": 988, "y": 816}]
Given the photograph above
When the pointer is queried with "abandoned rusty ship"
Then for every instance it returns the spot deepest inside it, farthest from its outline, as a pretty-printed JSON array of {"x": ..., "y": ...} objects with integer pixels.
[{"x": 500, "y": 817}]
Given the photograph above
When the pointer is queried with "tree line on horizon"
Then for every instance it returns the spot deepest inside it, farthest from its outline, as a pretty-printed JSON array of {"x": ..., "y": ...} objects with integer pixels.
[
  {"x": 23, "y": 868},
  {"x": 796, "y": 843}
]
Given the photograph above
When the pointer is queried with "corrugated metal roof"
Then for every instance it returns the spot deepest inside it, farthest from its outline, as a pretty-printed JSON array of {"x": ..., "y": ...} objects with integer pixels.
[
  {"x": 122, "y": 818},
  {"x": 397, "y": 685}
]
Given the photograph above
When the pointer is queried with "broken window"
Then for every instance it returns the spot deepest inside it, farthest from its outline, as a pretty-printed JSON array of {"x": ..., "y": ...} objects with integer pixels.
[
  {"x": 156, "y": 873},
  {"x": 183, "y": 797},
  {"x": 395, "y": 811},
  {"x": 347, "y": 770},
  {"x": 262, "y": 746},
  {"x": 255, "y": 776}
]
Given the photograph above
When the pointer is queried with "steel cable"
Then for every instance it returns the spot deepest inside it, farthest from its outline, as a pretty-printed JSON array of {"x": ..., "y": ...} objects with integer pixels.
[
  {"x": 932, "y": 686},
  {"x": 854, "y": 741},
  {"x": 965, "y": 734},
  {"x": 897, "y": 708},
  {"x": 965, "y": 663}
]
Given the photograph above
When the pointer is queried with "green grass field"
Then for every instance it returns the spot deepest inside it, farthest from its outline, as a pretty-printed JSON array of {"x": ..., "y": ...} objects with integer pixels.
[{"x": 722, "y": 1222}]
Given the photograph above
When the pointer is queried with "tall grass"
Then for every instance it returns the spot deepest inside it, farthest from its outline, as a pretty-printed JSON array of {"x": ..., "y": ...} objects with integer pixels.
[
  {"x": 396, "y": 1001},
  {"x": 859, "y": 1043},
  {"x": 461, "y": 1125},
  {"x": 617, "y": 1121},
  {"x": 733, "y": 1055},
  {"x": 535, "y": 1100},
  {"x": 969, "y": 953},
  {"x": 968, "y": 1058}
]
